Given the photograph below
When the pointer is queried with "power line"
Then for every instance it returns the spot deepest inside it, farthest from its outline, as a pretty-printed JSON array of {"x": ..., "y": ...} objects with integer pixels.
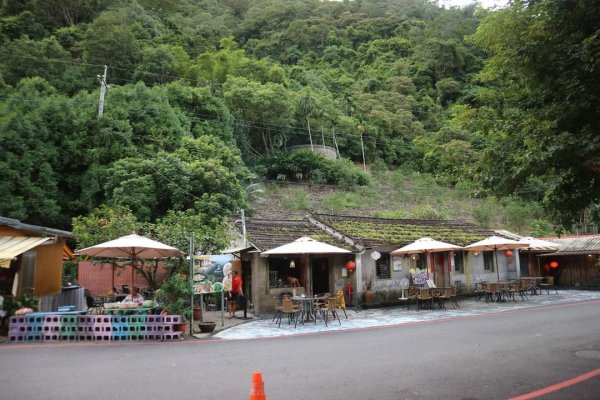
[{"x": 174, "y": 77}]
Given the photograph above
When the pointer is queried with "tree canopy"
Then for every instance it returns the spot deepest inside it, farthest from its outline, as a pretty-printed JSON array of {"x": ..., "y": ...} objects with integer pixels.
[{"x": 203, "y": 96}]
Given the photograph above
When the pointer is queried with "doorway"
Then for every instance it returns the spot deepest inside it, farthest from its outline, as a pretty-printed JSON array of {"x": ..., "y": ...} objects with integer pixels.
[
  {"x": 439, "y": 269},
  {"x": 320, "y": 275}
]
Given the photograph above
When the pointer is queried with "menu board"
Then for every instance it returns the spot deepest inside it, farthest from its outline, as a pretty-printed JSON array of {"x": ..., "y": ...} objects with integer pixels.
[{"x": 383, "y": 268}]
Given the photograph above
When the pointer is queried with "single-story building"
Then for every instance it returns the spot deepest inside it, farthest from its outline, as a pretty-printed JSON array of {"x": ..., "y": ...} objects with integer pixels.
[
  {"x": 575, "y": 264},
  {"x": 31, "y": 258},
  {"x": 370, "y": 241}
]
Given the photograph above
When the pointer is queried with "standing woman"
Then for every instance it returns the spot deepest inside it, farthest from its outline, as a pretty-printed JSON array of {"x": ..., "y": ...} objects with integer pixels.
[
  {"x": 236, "y": 291},
  {"x": 227, "y": 290}
]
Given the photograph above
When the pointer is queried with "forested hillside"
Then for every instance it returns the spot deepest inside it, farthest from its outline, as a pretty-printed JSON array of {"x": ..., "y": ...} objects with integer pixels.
[{"x": 205, "y": 96}]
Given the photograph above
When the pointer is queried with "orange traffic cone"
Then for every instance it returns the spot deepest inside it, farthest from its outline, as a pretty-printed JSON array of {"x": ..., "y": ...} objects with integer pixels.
[{"x": 257, "y": 391}]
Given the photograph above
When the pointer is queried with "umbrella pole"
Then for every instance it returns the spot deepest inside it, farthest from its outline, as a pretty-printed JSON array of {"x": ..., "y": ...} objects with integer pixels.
[
  {"x": 497, "y": 269},
  {"x": 132, "y": 290}
]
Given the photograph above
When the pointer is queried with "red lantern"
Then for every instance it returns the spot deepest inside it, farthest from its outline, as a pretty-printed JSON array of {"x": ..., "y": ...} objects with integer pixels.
[
  {"x": 508, "y": 253},
  {"x": 546, "y": 267},
  {"x": 350, "y": 265},
  {"x": 554, "y": 264}
]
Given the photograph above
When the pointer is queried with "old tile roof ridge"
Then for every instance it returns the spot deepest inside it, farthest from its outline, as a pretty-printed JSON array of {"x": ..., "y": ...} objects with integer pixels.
[{"x": 411, "y": 221}]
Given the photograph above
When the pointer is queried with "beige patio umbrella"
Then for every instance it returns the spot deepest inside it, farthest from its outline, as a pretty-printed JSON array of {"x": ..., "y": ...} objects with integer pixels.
[
  {"x": 426, "y": 245},
  {"x": 538, "y": 246},
  {"x": 305, "y": 246},
  {"x": 132, "y": 247},
  {"x": 495, "y": 243}
]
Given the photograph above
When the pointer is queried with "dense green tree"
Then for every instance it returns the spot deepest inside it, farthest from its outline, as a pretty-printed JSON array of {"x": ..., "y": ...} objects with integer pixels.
[{"x": 543, "y": 66}]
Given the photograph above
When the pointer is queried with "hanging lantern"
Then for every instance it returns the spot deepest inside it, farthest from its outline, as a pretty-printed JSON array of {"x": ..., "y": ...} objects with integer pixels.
[
  {"x": 350, "y": 265},
  {"x": 547, "y": 267},
  {"x": 554, "y": 264},
  {"x": 414, "y": 257},
  {"x": 508, "y": 253}
]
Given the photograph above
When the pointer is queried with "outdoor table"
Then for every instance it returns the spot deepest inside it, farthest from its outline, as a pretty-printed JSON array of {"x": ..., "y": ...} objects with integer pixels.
[
  {"x": 128, "y": 311},
  {"x": 45, "y": 313},
  {"x": 308, "y": 304}
]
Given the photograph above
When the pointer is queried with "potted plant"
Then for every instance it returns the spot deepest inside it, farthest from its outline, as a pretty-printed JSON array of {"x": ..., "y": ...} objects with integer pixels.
[{"x": 174, "y": 294}]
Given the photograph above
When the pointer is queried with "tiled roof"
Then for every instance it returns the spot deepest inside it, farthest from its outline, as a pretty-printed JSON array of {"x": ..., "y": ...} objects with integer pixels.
[
  {"x": 576, "y": 244},
  {"x": 363, "y": 231},
  {"x": 267, "y": 234},
  {"x": 399, "y": 232}
]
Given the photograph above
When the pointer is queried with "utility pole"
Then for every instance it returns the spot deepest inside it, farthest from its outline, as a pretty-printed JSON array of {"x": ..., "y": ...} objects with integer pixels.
[
  {"x": 244, "y": 226},
  {"x": 103, "y": 87}
]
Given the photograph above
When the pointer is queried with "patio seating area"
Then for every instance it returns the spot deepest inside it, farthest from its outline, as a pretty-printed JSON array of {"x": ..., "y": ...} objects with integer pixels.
[{"x": 306, "y": 309}]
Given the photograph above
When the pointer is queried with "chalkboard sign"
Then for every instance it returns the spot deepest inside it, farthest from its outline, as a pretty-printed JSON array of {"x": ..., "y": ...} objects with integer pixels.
[{"x": 383, "y": 267}]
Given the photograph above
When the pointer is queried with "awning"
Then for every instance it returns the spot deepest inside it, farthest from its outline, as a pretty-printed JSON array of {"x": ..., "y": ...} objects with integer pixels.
[{"x": 12, "y": 246}]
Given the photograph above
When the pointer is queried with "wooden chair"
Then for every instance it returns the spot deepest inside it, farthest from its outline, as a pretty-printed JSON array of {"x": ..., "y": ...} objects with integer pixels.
[
  {"x": 291, "y": 310},
  {"x": 491, "y": 292},
  {"x": 449, "y": 293},
  {"x": 523, "y": 288},
  {"x": 412, "y": 295},
  {"x": 441, "y": 295},
  {"x": 278, "y": 308},
  {"x": 330, "y": 306},
  {"x": 547, "y": 285},
  {"x": 479, "y": 290},
  {"x": 425, "y": 297}
]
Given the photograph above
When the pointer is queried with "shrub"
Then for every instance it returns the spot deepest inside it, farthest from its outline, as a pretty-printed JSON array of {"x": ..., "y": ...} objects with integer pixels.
[
  {"x": 307, "y": 166},
  {"x": 296, "y": 201}
]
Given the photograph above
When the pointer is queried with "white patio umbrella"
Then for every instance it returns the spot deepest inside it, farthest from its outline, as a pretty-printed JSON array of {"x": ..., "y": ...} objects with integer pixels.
[
  {"x": 132, "y": 247},
  {"x": 425, "y": 245},
  {"x": 306, "y": 245},
  {"x": 538, "y": 246},
  {"x": 495, "y": 243}
]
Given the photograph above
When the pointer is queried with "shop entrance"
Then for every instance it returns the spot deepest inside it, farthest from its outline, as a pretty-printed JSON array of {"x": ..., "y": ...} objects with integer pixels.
[{"x": 320, "y": 275}]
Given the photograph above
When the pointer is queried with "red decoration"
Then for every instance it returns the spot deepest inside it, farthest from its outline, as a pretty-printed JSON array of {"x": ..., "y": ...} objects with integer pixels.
[
  {"x": 350, "y": 265},
  {"x": 546, "y": 267},
  {"x": 508, "y": 253},
  {"x": 554, "y": 264}
]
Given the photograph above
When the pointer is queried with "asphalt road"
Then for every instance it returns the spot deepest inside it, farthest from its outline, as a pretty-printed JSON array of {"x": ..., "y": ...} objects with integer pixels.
[{"x": 495, "y": 356}]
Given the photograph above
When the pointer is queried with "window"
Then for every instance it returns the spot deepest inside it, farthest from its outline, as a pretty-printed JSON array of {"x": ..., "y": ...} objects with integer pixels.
[
  {"x": 459, "y": 262},
  {"x": 382, "y": 266},
  {"x": 280, "y": 269},
  {"x": 488, "y": 261}
]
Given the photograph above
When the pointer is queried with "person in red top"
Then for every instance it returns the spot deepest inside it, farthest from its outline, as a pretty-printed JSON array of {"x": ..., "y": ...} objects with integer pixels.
[{"x": 236, "y": 293}]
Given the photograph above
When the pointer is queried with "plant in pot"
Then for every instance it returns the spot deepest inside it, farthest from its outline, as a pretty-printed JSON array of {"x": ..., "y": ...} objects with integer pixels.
[{"x": 174, "y": 295}]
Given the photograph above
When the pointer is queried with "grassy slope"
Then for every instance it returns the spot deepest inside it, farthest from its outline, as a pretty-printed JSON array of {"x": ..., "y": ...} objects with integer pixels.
[{"x": 392, "y": 194}]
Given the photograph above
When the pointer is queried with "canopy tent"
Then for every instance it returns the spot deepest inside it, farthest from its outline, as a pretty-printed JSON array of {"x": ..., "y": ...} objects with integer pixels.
[
  {"x": 132, "y": 247},
  {"x": 426, "y": 245},
  {"x": 12, "y": 246},
  {"x": 495, "y": 243}
]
